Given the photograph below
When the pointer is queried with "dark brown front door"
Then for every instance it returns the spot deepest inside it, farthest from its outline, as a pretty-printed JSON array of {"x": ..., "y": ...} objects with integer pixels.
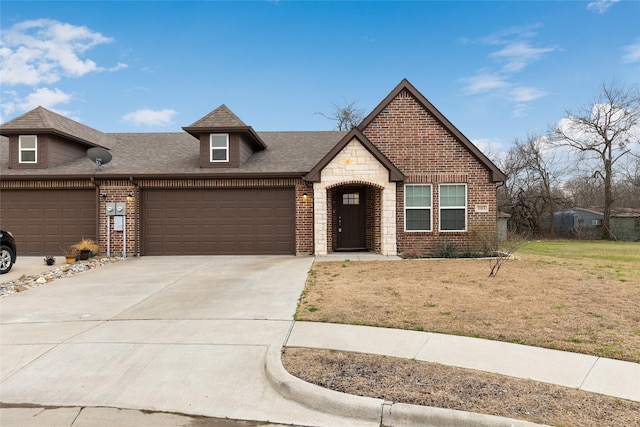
[{"x": 351, "y": 219}]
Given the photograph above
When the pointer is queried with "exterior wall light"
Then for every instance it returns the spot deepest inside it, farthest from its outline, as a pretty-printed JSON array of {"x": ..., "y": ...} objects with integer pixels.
[
  {"x": 305, "y": 196},
  {"x": 130, "y": 198}
]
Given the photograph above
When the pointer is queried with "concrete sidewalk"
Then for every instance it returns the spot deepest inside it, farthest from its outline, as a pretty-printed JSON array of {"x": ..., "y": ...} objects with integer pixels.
[{"x": 590, "y": 373}]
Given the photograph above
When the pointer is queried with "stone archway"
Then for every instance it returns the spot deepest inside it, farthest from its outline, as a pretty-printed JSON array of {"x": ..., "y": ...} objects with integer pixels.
[
  {"x": 355, "y": 166},
  {"x": 354, "y": 217}
]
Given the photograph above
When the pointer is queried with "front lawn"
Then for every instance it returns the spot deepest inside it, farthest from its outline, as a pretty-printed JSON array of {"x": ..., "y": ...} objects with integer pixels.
[{"x": 576, "y": 296}]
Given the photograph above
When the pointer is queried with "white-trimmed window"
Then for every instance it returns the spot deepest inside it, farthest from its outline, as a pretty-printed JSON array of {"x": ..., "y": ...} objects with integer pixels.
[
  {"x": 417, "y": 207},
  {"x": 219, "y": 147},
  {"x": 28, "y": 148},
  {"x": 453, "y": 207}
]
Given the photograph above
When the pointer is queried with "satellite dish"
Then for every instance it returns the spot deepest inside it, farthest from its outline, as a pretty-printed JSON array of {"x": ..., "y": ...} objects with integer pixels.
[{"x": 99, "y": 156}]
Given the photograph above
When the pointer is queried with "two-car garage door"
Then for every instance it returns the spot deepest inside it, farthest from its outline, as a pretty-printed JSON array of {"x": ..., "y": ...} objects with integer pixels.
[{"x": 218, "y": 221}]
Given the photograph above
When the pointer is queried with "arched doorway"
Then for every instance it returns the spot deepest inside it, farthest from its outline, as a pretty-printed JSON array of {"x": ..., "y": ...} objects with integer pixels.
[{"x": 354, "y": 217}]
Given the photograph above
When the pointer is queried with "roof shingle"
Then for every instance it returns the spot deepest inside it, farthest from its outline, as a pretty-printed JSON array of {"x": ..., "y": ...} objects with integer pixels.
[
  {"x": 221, "y": 117},
  {"x": 42, "y": 120}
]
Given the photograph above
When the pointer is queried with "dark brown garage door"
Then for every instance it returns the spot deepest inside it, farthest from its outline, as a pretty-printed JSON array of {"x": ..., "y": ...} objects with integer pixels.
[
  {"x": 219, "y": 221},
  {"x": 45, "y": 221}
]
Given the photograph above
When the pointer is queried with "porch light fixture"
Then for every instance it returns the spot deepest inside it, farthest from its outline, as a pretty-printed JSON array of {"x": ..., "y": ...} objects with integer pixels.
[
  {"x": 130, "y": 198},
  {"x": 103, "y": 197},
  {"x": 305, "y": 196}
]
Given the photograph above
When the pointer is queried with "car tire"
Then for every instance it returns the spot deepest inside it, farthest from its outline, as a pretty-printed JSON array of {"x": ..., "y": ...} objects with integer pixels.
[{"x": 6, "y": 259}]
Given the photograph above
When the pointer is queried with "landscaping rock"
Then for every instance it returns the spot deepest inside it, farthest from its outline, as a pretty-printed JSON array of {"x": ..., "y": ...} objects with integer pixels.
[{"x": 25, "y": 283}]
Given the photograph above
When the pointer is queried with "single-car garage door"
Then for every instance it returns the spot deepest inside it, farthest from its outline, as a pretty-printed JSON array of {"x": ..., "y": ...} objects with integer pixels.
[
  {"x": 46, "y": 221},
  {"x": 219, "y": 221}
]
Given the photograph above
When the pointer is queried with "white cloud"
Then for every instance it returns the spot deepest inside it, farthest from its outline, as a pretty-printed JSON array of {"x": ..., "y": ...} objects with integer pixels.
[
  {"x": 601, "y": 6},
  {"x": 44, "y": 50},
  {"x": 492, "y": 148},
  {"x": 519, "y": 54},
  {"x": 146, "y": 117},
  {"x": 505, "y": 35},
  {"x": 513, "y": 52},
  {"x": 45, "y": 97},
  {"x": 526, "y": 94},
  {"x": 632, "y": 52},
  {"x": 483, "y": 82}
]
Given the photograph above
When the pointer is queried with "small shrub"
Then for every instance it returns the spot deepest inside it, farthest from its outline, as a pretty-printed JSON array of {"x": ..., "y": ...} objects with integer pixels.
[
  {"x": 86, "y": 245},
  {"x": 447, "y": 250}
]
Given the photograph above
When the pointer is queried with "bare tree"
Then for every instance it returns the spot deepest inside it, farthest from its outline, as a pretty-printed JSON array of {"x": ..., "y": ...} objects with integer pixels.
[
  {"x": 604, "y": 133},
  {"x": 584, "y": 191},
  {"x": 346, "y": 116},
  {"x": 533, "y": 169},
  {"x": 631, "y": 184},
  {"x": 541, "y": 163}
]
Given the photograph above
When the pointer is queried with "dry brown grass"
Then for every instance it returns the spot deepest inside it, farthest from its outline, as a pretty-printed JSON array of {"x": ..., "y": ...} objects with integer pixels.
[
  {"x": 578, "y": 297},
  {"x": 430, "y": 384},
  {"x": 576, "y": 305}
]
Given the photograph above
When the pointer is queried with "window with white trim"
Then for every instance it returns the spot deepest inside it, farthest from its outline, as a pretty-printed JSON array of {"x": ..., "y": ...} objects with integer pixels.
[
  {"x": 28, "y": 148},
  {"x": 453, "y": 207},
  {"x": 219, "y": 147},
  {"x": 417, "y": 207}
]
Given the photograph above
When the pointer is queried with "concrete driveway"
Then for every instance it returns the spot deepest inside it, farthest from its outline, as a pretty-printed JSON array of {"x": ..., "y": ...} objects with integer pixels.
[{"x": 177, "y": 334}]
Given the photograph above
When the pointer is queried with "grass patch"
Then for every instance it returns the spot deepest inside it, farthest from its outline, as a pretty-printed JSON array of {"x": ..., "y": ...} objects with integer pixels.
[{"x": 563, "y": 295}]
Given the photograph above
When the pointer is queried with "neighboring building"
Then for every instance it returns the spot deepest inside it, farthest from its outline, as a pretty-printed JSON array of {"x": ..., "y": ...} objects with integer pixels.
[
  {"x": 503, "y": 225},
  {"x": 586, "y": 223},
  {"x": 404, "y": 181},
  {"x": 578, "y": 223},
  {"x": 625, "y": 224}
]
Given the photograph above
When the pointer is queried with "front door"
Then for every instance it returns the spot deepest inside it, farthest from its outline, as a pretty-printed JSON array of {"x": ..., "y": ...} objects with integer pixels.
[{"x": 351, "y": 219}]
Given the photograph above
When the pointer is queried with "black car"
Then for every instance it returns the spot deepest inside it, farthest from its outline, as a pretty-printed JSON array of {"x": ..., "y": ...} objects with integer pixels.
[{"x": 7, "y": 251}]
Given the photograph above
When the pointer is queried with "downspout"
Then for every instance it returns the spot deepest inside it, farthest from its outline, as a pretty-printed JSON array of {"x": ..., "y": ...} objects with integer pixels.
[
  {"x": 137, "y": 216},
  {"x": 92, "y": 179}
]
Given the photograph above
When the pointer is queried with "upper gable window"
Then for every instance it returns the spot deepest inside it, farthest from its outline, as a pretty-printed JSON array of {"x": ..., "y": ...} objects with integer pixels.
[
  {"x": 28, "y": 148},
  {"x": 219, "y": 147}
]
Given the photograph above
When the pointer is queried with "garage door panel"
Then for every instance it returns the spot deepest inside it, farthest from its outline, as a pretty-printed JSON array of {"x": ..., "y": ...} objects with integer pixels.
[
  {"x": 44, "y": 221},
  {"x": 219, "y": 221}
]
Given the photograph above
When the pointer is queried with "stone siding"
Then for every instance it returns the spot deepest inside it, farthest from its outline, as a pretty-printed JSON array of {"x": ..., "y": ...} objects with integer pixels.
[{"x": 355, "y": 165}]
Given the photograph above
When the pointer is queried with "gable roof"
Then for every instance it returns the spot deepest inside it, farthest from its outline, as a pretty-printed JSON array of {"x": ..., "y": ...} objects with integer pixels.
[
  {"x": 42, "y": 121},
  {"x": 222, "y": 119},
  {"x": 355, "y": 133},
  {"x": 497, "y": 174}
]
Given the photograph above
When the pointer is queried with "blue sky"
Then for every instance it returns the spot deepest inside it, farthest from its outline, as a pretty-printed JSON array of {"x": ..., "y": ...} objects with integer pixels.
[{"x": 497, "y": 69}]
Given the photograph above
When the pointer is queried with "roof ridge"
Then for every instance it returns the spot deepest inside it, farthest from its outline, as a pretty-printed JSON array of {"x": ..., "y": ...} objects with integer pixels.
[{"x": 219, "y": 117}]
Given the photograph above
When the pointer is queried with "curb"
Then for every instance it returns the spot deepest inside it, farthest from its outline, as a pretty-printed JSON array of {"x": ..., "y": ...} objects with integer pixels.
[{"x": 368, "y": 409}]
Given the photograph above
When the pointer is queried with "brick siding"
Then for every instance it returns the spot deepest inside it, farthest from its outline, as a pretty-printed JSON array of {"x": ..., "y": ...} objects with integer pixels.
[{"x": 426, "y": 152}]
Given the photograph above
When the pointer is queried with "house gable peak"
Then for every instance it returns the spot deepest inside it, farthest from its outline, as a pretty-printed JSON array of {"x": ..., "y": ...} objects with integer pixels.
[
  {"x": 220, "y": 117},
  {"x": 405, "y": 88},
  {"x": 355, "y": 134},
  {"x": 223, "y": 120},
  {"x": 43, "y": 121}
]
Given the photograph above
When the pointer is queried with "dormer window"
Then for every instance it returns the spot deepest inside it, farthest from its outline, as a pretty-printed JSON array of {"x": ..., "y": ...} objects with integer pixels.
[
  {"x": 219, "y": 147},
  {"x": 28, "y": 148}
]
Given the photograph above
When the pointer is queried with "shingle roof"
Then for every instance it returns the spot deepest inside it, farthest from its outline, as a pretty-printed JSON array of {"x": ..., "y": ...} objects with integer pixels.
[
  {"x": 41, "y": 120},
  {"x": 221, "y": 117},
  {"x": 178, "y": 154}
]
